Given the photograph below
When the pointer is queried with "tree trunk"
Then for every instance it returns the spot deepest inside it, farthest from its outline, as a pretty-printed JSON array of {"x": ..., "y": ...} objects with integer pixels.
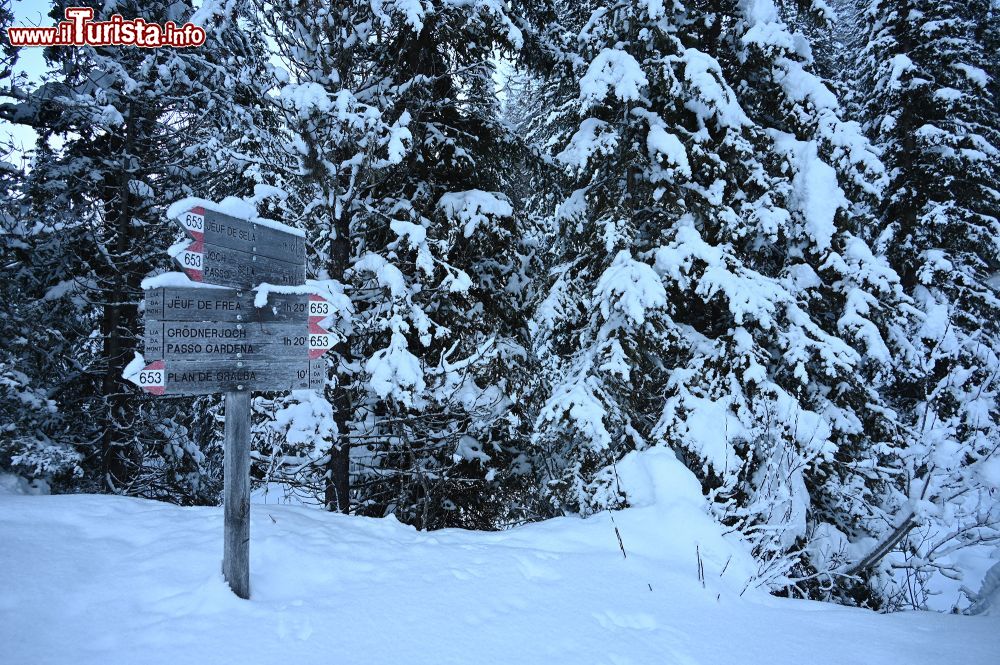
[
  {"x": 337, "y": 493},
  {"x": 120, "y": 315}
]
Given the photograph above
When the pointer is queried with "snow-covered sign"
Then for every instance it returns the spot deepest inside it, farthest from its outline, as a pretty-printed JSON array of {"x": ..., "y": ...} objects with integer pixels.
[
  {"x": 262, "y": 333},
  {"x": 227, "y": 340},
  {"x": 198, "y": 324},
  {"x": 200, "y": 304},
  {"x": 230, "y": 251},
  {"x": 261, "y": 237}
]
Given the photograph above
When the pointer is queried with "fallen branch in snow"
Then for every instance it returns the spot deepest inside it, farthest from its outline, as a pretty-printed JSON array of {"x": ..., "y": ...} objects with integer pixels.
[{"x": 883, "y": 548}]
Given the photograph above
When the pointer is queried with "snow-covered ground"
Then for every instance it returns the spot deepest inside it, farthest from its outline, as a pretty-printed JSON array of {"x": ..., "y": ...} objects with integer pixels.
[{"x": 99, "y": 579}]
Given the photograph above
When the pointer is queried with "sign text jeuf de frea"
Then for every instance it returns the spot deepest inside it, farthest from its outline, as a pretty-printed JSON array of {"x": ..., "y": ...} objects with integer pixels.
[{"x": 201, "y": 341}]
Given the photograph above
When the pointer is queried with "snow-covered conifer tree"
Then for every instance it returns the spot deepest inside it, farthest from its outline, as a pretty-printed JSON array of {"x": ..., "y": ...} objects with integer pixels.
[
  {"x": 926, "y": 73},
  {"x": 398, "y": 154},
  {"x": 124, "y": 131},
  {"x": 716, "y": 292}
]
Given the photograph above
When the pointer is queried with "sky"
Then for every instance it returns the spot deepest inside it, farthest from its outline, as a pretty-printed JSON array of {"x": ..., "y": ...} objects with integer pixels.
[{"x": 29, "y": 61}]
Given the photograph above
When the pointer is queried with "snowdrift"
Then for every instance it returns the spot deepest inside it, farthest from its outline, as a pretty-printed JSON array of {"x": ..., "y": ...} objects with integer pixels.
[{"x": 99, "y": 579}]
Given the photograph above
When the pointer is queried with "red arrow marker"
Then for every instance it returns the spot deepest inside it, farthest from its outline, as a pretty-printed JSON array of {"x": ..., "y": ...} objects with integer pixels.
[
  {"x": 319, "y": 308},
  {"x": 153, "y": 378},
  {"x": 192, "y": 259},
  {"x": 193, "y": 223},
  {"x": 320, "y": 339}
]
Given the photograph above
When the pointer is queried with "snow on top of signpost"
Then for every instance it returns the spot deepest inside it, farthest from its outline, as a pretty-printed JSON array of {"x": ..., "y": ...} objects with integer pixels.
[
  {"x": 329, "y": 289},
  {"x": 234, "y": 207},
  {"x": 136, "y": 365},
  {"x": 178, "y": 247},
  {"x": 175, "y": 279}
]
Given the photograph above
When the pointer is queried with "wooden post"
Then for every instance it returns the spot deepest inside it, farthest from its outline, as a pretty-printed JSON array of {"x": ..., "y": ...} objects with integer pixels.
[{"x": 236, "y": 484}]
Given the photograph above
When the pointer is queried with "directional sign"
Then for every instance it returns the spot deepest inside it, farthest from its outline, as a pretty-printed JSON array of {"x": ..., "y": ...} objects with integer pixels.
[
  {"x": 199, "y": 304},
  {"x": 152, "y": 378},
  {"x": 193, "y": 323},
  {"x": 216, "y": 228},
  {"x": 205, "y": 341},
  {"x": 213, "y": 264},
  {"x": 204, "y": 377},
  {"x": 320, "y": 339},
  {"x": 218, "y": 340}
]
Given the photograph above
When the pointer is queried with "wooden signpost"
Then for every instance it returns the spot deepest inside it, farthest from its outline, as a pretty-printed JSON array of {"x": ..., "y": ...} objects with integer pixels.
[
  {"x": 199, "y": 340},
  {"x": 203, "y": 341},
  {"x": 215, "y": 228}
]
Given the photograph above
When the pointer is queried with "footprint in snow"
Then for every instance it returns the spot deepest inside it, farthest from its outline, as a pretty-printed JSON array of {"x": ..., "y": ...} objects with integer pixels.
[
  {"x": 635, "y": 621},
  {"x": 532, "y": 570}
]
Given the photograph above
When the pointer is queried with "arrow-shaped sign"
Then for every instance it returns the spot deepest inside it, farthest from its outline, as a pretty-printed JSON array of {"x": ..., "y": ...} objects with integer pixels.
[
  {"x": 221, "y": 340},
  {"x": 193, "y": 221},
  {"x": 320, "y": 339},
  {"x": 223, "y": 266},
  {"x": 197, "y": 304},
  {"x": 205, "y": 377},
  {"x": 153, "y": 378},
  {"x": 265, "y": 239},
  {"x": 192, "y": 260}
]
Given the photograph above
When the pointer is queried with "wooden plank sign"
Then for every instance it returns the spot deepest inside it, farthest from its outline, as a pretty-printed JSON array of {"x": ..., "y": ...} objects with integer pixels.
[
  {"x": 219, "y": 340},
  {"x": 199, "y": 304},
  {"x": 193, "y": 323},
  {"x": 221, "y": 230},
  {"x": 206, "y": 377},
  {"x": 213, "y": 264}
]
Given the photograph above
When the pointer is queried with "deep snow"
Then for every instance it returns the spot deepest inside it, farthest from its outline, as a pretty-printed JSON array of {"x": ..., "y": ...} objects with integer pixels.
[{"x": 99, "y": 579}]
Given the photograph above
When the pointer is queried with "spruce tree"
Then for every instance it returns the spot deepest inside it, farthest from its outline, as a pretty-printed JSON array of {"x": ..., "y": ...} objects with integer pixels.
[
  {"x": 715, "y": 292},
  {"x": 397, "y": 172},
  {"x": 123, "y": 132},
  {"x": 927, "y": 84}
]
